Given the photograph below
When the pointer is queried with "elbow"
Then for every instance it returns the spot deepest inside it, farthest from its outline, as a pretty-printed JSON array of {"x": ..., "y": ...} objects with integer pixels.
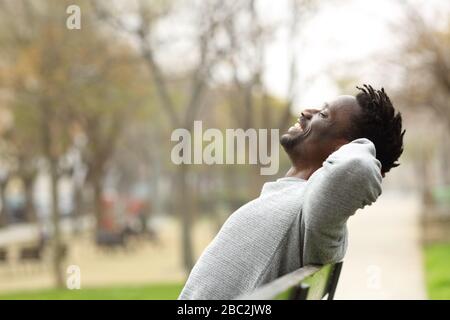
[
  {"x": 368, "y": 169},
  {"x": 367, "y": 174}
]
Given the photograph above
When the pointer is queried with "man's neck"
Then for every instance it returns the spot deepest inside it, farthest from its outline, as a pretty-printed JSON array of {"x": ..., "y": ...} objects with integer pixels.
[{"x": 302, "y": 173}]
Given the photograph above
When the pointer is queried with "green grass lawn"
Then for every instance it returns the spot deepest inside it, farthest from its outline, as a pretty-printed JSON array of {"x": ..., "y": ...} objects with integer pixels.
[
  {"x": 147, "y": 292},
  {"x": 437, "y": 270}
]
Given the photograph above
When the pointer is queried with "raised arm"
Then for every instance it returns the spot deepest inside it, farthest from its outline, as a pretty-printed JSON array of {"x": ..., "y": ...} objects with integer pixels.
[{"x": 349, "y": 179}]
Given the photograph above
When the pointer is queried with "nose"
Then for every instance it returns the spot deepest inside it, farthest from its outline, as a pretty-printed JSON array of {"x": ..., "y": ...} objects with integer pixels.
[{"x": 308, "y": 113}]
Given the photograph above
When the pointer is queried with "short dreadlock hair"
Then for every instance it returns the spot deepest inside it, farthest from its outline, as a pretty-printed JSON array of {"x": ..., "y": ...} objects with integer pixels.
[{"x": 379, "y": 123}]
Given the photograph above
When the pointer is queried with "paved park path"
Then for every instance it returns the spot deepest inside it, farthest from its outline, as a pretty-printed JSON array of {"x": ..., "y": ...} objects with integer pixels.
[{"x": 384, "y": 257}]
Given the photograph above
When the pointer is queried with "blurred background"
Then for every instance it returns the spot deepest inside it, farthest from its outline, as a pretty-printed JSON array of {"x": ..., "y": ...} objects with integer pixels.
[{"x": 87, "y": 187}]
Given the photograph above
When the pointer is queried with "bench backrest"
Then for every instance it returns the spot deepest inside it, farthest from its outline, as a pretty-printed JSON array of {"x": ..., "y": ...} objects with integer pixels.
[{"x": 308, "y": 283}]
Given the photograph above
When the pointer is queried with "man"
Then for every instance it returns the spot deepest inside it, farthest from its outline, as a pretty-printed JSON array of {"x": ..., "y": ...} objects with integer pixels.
[{"x": 339, "y": 155}]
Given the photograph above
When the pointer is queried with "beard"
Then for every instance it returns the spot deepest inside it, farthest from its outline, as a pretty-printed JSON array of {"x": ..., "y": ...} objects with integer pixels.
[{"x": 289, "y": 142}]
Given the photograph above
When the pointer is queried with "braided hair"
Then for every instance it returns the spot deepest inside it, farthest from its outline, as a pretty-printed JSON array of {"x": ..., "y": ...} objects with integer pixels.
[{"x": 379, "y": 123}]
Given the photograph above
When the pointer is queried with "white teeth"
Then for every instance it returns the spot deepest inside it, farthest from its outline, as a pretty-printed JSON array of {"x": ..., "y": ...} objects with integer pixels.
[{"x": 297, "y": 125}]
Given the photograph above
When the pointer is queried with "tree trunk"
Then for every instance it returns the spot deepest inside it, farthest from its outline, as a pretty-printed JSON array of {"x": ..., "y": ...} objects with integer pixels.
[
  {"x": 445, "y": 159},
  {"x": 30, "y": 210},
  {"x": 98, "y": 202},
  {"x": 184, "y": 209},
  {"x": 77, "y": 209},
  {"x": 56, "y": 243},
  {"x": 3, "y": 211},
  {"x": 423, "y": 166}
]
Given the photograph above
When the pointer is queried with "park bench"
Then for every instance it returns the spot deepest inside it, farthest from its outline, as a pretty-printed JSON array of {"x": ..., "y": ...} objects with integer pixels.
[
  {"x": 307, "y": 283},
  {"x": 109, "y": 240},
  {"x": 33, "y": 252}
]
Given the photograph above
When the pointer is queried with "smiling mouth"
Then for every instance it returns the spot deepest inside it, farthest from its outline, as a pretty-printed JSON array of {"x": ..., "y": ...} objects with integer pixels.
[{"x": 297, "y": 127}]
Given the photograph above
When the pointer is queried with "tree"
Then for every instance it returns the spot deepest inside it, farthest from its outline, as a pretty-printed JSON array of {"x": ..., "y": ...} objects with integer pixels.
[
  {"x": 209, "y": 17},
  {"x": 110, "y": 92},
  {"x": 62, "y": 88},
  {"x": 38, "y": 81},
  {"x": 425, "y": 62}
]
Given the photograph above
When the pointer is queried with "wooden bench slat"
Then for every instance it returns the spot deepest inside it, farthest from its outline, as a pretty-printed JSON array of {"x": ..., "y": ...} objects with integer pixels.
[{"x": 307, "y": 283}]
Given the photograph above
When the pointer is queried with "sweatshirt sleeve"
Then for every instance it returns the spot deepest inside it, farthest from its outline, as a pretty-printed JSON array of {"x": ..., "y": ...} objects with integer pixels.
[{"x": 349, "y": 179}]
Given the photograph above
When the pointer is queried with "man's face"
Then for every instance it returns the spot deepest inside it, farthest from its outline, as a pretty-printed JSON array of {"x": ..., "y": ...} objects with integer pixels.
[{"x": 319, "y": 132}]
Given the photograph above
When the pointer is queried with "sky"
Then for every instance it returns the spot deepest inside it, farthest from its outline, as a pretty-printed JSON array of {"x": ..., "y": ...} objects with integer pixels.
[{"x": 342, "y": 34}]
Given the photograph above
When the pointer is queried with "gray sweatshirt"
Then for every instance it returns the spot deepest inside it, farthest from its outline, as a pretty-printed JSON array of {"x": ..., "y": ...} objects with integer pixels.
[{"x": 293, "y": 223}]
